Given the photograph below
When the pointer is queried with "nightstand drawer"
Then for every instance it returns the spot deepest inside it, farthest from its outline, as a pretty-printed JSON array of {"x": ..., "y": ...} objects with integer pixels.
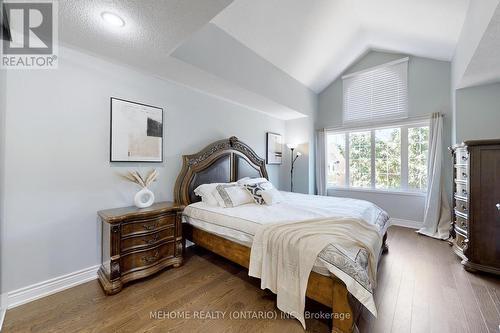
[
  {"x": 145, "y": 258},
  {"x": 148, "y": 225},
  {"x": 147, "y": 240}
]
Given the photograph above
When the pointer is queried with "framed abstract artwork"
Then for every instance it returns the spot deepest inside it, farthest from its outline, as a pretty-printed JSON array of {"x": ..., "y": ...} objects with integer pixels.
[
  {"x": 274, "y": 148},
  {"x": 136, "y": 132}
]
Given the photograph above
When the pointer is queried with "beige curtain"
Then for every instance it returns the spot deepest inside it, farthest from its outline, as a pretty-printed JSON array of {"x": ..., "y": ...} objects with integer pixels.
[{"x": 437, "y": 215}]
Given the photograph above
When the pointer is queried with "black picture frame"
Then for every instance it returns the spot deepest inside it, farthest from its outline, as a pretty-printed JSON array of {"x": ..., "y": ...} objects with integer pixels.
[
  {"x": 114, "y": 160},
  {"x": 269, "y": 159}
]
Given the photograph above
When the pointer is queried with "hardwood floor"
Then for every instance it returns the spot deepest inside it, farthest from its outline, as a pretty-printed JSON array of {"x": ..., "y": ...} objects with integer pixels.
[{"x": 422, "y": 288}]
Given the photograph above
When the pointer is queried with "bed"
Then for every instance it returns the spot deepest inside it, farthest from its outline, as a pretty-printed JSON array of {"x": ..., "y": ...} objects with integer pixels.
[{"x": 229, "y": 231}]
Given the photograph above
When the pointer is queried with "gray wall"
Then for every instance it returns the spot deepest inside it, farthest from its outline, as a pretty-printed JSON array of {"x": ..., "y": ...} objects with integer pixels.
[
  {"x": 300, "y": 132},
  {"x": 478, "y": 112},
  {"x": 3, "y": 88},
  {"x": 57, "y": 169},
  {"x": 429, "y": 91}
]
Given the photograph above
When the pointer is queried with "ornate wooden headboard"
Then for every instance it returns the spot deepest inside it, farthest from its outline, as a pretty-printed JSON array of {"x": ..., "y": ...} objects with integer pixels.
[{"x": 220, "y": 162}]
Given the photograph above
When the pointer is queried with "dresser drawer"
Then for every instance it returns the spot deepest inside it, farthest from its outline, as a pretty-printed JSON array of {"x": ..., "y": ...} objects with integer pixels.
[
  {"x": 461, "y": 156},
  {"x": 462, "y": 173},
  {"x": 148, "y": 225},
  {"x": 461, "y": 206},
  {"x": 461, "y": 222},
  {"x": 147, "y": 240},
  {"x": 145, "y": 258},
  {"x": 461, "y": 189},
  {"x": 460, "y": 241}
]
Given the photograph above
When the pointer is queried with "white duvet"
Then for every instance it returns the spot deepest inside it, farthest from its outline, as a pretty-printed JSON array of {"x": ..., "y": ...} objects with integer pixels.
[{"x": 241, "y": 223}]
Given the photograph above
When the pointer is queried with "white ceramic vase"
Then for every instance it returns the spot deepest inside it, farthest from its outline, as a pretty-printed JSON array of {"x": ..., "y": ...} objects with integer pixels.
[{"x": 144, "y": 198}]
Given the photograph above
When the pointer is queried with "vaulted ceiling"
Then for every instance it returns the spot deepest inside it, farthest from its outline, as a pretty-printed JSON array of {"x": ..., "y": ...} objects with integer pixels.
[
  {"x": 315, "y": 41},
  {"x": 300, "y": 45}
]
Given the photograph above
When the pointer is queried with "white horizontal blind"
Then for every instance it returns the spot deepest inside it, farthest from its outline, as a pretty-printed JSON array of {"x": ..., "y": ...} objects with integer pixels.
[{"x": 377, "y": 94}]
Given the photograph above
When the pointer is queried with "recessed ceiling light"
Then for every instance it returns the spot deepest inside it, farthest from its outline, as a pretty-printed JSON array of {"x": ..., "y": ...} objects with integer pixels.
[{"x": 113, "y": 19}]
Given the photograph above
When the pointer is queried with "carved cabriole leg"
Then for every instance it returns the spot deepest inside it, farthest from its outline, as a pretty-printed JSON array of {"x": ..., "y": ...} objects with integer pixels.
[
  {"x": 343, "y": 316},
  {"x": 109, "y": 287}
]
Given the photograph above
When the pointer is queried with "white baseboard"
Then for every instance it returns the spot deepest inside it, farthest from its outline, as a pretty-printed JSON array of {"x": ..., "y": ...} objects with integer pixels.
[
  {"x": 2, "y": 317},
  {"x": 49, "y": 287},
  {"x": 406, "y": 223}
]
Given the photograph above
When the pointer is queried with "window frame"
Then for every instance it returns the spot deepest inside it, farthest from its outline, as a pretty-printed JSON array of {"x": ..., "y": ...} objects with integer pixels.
[{"x": 404, "y": 188}]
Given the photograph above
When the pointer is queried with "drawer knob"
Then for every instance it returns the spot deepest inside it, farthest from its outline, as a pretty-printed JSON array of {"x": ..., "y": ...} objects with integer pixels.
[
  {"x": 464, "y": 207},
  {"x": 150, "y": 226},
  {"x": 464, "y": 158},
  {"x": 464, "y": 175},
  {"x": 152, "y": 240},
  {"x": 497, "y": 206},
  {"x": 464, "y": 191},
  {"x": 152, "y": 258}
]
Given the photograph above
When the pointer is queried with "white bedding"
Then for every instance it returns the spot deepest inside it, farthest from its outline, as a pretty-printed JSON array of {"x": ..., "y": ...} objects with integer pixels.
[{"x": 240, "y": 223}]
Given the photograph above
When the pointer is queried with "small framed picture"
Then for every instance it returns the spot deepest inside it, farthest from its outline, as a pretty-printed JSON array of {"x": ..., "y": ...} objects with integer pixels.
[
  {"x": 274, "y": 148},
  {"x": 136, "y": 132}
]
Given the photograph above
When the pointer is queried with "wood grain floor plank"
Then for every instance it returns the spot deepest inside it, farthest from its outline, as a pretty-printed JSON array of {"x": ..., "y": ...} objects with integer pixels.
[{"x": 422, "y": 287}]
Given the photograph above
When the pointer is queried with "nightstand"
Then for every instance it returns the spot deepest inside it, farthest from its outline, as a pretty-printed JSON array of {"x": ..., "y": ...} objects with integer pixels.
[{"x": 138, "y": 242}]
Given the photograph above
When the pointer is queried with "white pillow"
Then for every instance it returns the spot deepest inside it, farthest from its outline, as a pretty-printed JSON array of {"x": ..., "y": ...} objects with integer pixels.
[
  {"x": 242, "y": 180},
  {"x": 271, "y": 196},
  {"x": 264, "y": 183},
  {"x": 231, "y": 195},
  {"x": 205, "y": 191},
  {"x": 209, "y": 200}
]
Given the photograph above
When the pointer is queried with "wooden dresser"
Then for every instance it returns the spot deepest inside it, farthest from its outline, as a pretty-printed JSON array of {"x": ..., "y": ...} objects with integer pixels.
[
  {"x": 139, "y": 242},
  {"x": 476, "y": 202}
]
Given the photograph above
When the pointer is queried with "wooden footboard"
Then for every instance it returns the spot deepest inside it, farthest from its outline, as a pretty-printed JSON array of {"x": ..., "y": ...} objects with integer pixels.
[{"x": 328, "y": 291}]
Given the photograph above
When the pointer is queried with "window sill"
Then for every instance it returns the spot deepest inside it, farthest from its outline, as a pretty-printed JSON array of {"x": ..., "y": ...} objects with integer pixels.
[{"x": 379, "y": 191}]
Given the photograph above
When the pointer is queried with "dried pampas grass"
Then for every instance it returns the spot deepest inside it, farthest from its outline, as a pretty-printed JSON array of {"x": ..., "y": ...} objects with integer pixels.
[{"x": 136, "y": 178}]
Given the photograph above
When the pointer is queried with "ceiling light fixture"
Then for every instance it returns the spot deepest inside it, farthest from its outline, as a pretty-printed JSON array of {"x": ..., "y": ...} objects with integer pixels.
[{"x": 112, "y": 19}]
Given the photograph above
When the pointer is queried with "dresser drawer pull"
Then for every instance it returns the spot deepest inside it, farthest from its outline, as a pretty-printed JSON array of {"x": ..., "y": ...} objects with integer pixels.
[
  {"x": 464, "y": 175},
  {"x": 464, "y": 207},
  {"x": 464, "y": 158},
  {"x": 150, "y": 226},
  {"x": 152, "y": 258},
  {"x": 464, "y": 191},
  {"x": 152, "y": 240},
  {"x": 463, "y": 224}
]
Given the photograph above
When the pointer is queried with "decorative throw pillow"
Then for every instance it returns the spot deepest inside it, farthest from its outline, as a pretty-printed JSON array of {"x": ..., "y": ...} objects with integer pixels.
[
  {"x": 271, "y": 196},
  {"x": 231, "y": 195},
  {"x": 256, "y": 191},
  {"x": 205, "y": 191}
]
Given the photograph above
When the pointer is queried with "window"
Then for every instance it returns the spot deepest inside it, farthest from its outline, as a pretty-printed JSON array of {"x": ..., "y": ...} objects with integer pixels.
[
  {"x": 376, "y": 94},
  {"x": 388, "y": 158},
  {"x": 336, "y": 159},
  {"x": 381, "y": 158},
  {"x": 418, "y": 149},
  {"x": 360, "y": 159}
]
